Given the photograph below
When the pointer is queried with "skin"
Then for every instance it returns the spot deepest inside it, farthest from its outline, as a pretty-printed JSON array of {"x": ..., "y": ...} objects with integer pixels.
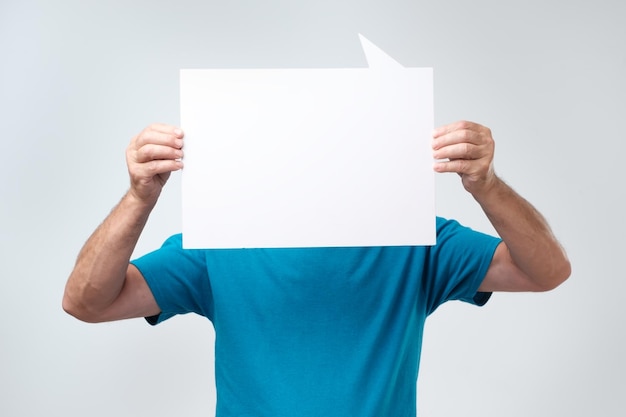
[{"x": 104, "y": 286}]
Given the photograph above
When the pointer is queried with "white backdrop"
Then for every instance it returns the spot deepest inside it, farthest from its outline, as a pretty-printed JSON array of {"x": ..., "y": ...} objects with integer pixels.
[{"x": 78, "y": 78}]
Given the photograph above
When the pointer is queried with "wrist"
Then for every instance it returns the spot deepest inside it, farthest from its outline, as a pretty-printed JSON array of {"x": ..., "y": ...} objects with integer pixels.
[
  {"x": 140, "y": 203},
  {"x": 490, "y": 189}
]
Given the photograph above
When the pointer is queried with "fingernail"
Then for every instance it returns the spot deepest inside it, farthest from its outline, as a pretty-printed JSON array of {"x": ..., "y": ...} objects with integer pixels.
[{"x": 178, "y": 132}]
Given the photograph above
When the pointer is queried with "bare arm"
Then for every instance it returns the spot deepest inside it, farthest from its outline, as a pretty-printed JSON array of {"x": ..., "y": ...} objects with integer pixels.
[
  {"x": 103, "y": 285},
  {"x": 530, "y": 257}
]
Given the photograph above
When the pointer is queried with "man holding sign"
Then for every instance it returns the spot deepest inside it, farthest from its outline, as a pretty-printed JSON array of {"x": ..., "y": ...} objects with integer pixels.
[{"x": 328, "y": 327}]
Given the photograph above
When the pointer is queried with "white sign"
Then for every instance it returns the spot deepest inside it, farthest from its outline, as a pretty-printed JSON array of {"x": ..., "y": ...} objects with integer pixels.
[{"x": 308, "y": 157}]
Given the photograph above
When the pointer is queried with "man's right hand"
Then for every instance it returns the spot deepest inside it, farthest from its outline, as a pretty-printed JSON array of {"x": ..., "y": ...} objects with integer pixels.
[{"x": 151, "y": 156}]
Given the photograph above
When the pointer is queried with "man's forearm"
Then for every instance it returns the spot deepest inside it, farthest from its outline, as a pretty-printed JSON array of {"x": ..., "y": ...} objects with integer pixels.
[
  {"x": 530, "y": 241},
  {"x": 100, "y": 269}
]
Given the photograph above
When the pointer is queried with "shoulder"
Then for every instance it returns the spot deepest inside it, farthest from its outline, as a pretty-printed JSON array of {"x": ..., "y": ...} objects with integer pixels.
[
  {"x": 451, "y": 228},
  {"x": 459, "y": 244}
]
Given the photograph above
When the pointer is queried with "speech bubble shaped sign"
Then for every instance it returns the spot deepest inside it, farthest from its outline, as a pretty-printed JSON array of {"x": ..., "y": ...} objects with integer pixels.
[{"x": 308, "y": 157}]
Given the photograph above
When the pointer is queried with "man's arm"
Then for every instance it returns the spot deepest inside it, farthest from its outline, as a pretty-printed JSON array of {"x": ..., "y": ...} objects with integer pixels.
[
  {"x": 530, "y": 258},
  {"x": 103, "y": 285}
]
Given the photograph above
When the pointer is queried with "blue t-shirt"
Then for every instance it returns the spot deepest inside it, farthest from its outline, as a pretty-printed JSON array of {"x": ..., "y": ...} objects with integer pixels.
[{"x": 318, "y": 331}]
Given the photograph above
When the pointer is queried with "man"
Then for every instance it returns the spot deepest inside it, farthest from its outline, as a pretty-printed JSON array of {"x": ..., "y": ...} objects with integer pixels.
[{"x": 317, "y": 331}]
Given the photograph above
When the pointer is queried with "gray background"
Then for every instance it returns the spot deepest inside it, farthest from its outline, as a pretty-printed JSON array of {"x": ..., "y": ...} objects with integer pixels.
[{"x": 79, "y": 78}]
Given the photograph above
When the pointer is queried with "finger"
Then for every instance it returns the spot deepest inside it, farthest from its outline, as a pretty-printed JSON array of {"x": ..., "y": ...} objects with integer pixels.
[
  {"x": 156, "y": 167},
  {"x": 460, "y": 125},
  {"x": 462, "y": 150},
  {"x": 459, "y": 166},
  {"x": 457, "y": 137},
  {"x": 152, "y": 152},
  {"x": 158, "y": 138},
  {"x": 160, "y": 135}
]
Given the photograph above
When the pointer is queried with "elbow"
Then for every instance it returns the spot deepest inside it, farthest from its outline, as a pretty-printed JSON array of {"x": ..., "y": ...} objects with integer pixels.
[
  {"x": 74, "y": 309},
  {"x": 77, "y": 309},
  {"x": 70, "y": 307},
  {"x": 559, "y": 274}
]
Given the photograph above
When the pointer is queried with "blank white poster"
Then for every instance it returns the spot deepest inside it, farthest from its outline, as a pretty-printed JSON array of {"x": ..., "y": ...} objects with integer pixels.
[{"x": 308, "y": 157}]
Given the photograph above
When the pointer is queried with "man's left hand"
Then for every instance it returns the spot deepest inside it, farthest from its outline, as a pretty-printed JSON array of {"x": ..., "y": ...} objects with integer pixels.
[{"x": 466, "y": 148}]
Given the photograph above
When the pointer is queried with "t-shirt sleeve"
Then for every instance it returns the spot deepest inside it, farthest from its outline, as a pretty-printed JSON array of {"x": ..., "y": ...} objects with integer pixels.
[
  {"x": 178, "y": 279},
  {"x": 458, "y": 264}
]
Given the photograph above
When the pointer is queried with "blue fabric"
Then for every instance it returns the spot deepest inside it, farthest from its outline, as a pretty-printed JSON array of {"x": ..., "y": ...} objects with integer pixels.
[{"x": 319, "y": 331}]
